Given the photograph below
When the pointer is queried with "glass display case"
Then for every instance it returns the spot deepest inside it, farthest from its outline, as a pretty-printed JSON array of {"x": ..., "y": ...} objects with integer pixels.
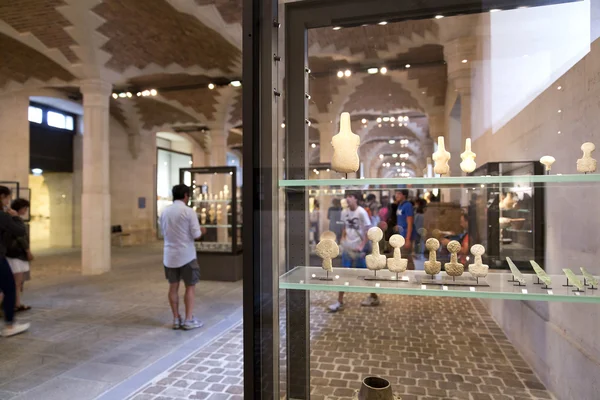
[
  {"x": 389, "y": 93},
  {"x": 215, "y": 198},
  {"x": 509, "y": 220}
]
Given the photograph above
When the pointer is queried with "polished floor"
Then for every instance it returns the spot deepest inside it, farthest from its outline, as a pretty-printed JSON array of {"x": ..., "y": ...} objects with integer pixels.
[{"x": 105, "y": 335}]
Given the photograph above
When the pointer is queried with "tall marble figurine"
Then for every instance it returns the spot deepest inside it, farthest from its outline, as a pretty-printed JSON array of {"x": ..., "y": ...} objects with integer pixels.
[
  {"x": 454, "y": 268},
  {"x": 397, "y": 264},
  {"x": 375, "y": 260},
  {"x": 345, "y": 147},
  {"x": 441, "y": 158},
  {"x": 586, "y": 163},
  {"x": 468, "y": 158},
  {"x": 432, "y": 267}
]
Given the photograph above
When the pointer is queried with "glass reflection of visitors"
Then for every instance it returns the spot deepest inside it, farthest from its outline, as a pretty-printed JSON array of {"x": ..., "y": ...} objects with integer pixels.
[
  {"x": 314, "y": 221},
  {"x": 462, "y": 238},
  {"x": 18, "y": 253},
  {"x": 334, "y": 215}
]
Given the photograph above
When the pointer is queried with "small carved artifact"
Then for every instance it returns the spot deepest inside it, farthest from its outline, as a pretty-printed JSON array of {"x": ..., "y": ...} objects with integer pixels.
[
  {"x": 547, "y": 161},
  {"x": 541, "y": 274},
  {"x": 345, "y": 147},
  {"x": 587, "y": 163},
  {"x": 327, "y": 249},
  {"x": 468, "y": 158},
  {"x": 375, "y": 261},
  {"x": 574, "y": 279},
  {"x": 397, "y": 264},
  {"x": 478, "y": 269},
  {"x": 454, "y": 268},
  {"x": 441, "y": 158},
  {"x": 432, "y": 267},
  {"x": 589, "y": 279},
  {"x": 328, "y": 235},
  {"x": 517, "y": 275}
]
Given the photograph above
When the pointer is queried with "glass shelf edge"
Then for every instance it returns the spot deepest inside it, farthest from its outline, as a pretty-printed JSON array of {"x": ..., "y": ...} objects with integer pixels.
[{"x": 450, "y": 180}]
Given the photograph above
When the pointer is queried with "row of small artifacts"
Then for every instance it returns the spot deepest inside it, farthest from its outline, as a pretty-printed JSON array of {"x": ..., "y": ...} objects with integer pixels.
[
  {"x": 346, "y": 143},
  {"x": 572, "y": 279}
]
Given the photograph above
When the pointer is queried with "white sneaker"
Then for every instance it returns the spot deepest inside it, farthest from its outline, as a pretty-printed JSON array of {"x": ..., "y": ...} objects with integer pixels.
[
  {"x": 370, "y": 302},
  {"x": 177, "y": 323},
  {"x": 193, "y": 323},
  {"x": 337, "y": 306},
  {"x": 14, "y": 329}
]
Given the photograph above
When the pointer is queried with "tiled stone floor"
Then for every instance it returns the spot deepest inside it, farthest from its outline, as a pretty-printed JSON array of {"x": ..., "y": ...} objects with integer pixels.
[
  {"x": 89, "y": 334},
  {"x": 429, "y": 348}
]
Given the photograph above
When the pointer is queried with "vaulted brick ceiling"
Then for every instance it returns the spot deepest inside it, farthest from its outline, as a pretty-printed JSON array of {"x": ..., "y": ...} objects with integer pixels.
[
  {"x": 155, "y": 113},
  {"x": 381, "y": 93},
  {"x": 235, "y": 115},
  {"x": 230, "y": 10},
  {"x": 202, "y": 100},
  {"x": 19, "y": 63},
  {"x": 163, "y": 36}
]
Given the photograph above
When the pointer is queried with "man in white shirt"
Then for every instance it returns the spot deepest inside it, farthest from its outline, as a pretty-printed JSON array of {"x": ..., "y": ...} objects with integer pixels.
[{"x": 180, "y": 227}]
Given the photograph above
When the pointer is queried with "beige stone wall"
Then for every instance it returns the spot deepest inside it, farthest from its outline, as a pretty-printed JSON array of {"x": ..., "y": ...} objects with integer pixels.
[
  {"x": 14, "y": 138},
  {"x": 559, "y": 339}
]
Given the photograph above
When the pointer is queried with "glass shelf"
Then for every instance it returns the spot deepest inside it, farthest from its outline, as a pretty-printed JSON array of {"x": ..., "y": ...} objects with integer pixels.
[
  {"x": 443, "y": 181},
  {"x": 211, "y": 201},
  {"x": 417, "y": 283}
]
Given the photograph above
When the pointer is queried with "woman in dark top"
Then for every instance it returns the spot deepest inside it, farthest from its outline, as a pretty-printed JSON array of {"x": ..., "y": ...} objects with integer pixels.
[{"x": 334, "y": 215}]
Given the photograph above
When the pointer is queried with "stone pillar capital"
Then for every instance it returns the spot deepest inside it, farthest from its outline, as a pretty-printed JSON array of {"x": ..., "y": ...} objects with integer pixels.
[{"x": 96, "y": 92}]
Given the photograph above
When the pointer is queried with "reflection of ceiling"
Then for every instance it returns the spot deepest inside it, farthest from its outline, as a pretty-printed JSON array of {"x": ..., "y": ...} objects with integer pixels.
[
  {"x": 379, "y": 93},
  {"x": 230, "y": 10}
]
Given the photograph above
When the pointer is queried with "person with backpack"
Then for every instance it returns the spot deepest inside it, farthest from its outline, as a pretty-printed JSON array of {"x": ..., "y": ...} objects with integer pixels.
[{"x": 18, "y": 253}]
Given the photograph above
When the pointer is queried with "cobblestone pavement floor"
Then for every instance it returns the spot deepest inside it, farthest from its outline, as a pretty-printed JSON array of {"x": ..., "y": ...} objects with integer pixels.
[
  {"x": 90, "y": 333},
  {"x": 427, "y": 347}
]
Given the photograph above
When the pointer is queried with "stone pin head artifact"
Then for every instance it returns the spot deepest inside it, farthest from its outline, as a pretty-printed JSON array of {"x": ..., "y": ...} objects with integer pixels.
[
  {"x": 327, "y": 249},
  {"x": 375, "y": 261},
  {"x": 441, "y": 158},
  {"x": 328, "y": 235},
  {"x": 454, "y": 268},
  {"x": 397, "y": 264},
  {"x": 468, "y": 158},
  {"x": 432, "y": 267},
  {"x": 345, "y": 147},
  {"x": 587, "y": 163},
  {"x": 478, "y": 269},
  {"x": 547, "y": 161}
]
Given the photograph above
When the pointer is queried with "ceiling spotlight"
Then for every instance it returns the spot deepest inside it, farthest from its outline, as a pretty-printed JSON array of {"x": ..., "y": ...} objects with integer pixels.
[
  {"x": 403, "y": 163},
  {"x": 37, "y": 171},
  {"x": 395, "y": 155},
  {"x": 153, "y": 92},
  {"x": 383, "y": 70},
  {"x": 236, "y": 83},
  {"x": 559, "y": 132},
  {"x": 314, "y": 146},
  {"x": 139, "y": 94},
  {"x": 211, "y": 86},
  {"x": 379, "y": 119},
  {"x": 115, "y": 96},
  {"x": 403, "y": 169},
  {"x": 379, "y": 125},
  {"x": 465, "y": 61},
  {"x": 122, "y": 94},
  {"x": 406, "y": 117},
  {"x": 386, "y": 119},
  {"x": 439, "y": 16},
  {"x": 373, "y": 70},
  {"x": 129, "y": 94},
  {"x": 559, "y": 88},
  {"x": 337, "y": 28},
  {"x": 407, "y": 66},
  {"x": 392, "y": 125},
  {"x": 383, "y": 23},
  {"x": 340, "y": 74},
  {"x": 392, "y": 119},
  {"x": 397, "y": 164},
  {"x": 381, "y": 156},
  {"x": 146, "y": 93},
  {"x": 364, "y": 120},
  {"x": 347, "y": 73},
  {"x": 391, "y": 141},
  {"x": 493, "y": 10},
  {"x": 283, "y": 124},
  {"x": 398, "y": 170},
  {"x": 559, "y": 111}
]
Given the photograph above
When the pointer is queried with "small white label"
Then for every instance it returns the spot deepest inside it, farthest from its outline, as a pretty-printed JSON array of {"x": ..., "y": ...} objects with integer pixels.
[
  {"x": 377, "y": 285},
  {"x": 472, "y": 288},
  {"x": 337, "y": 277},
  {"x": 423, "y": 287},
  {"x": 347, "y": 283},
  {"x": 314, "y": 275},
  {"x": 550, "y": 292},
  {"x": 577, "y": 294},
  {"x": 444, "y": 287},
  {"x": 301, "y": 282},
  {"x": 524, "y": 291},
  {"x": 405, "y": 278}
]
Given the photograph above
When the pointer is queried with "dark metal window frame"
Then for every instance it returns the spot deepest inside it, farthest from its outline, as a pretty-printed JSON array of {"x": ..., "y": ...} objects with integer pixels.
[{"x": 45, "y": 108}]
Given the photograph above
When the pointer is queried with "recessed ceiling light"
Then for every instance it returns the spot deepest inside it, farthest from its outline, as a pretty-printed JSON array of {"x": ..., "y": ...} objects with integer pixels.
[
  {"x": 283, "y": 125},
  {"x": 383, "y": 23},
  {"x": 313, "y": 145},
  {"x": 559, "y": 88},
  {"x": 495, "y": 10},
  {"x": 379, "y": 125},
  {"x": 423, "y": 92},
  {"x": 407, "y": 66},
  {"x": 340, "y": 74},
  {"x": 393, "y": 119},
  {"x": 347, "y": 73},
  {"x": 395, "y": 155},
  {"x": 381, "y": 156},
  {"x": 236, "y": 83},
  {"x": 364, "y": 120},
  {"x": 211, "y": 86},
  {"x": 392, "y": 125},
  {"x": 559, "y": 132},
  {"x": 559, "y": 111},
  {"x": 465, "y": 61},
  {"x": 379, "y": 119},
  {"x": 383, "y": 70},
  {"x": 115, "y": 96},
  {"x": 397, "y": 164},
  {"x": 386, "y": 119},
  {"x": 373, "y": 70},
  {"x": 403, "y": 164},
  {"x": 439, "y": 16},
  {"x": 337, "y": 28},
  {"x": 391, "y": 141}
]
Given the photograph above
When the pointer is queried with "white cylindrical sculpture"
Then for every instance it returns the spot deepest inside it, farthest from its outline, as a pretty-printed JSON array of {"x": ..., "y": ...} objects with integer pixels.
[
  {"x": 375, "y": 261},
  {"x": 468, "y": 158},
  {"x": 587, "y": 163},
  {"x": 441, "y": 158},
  {"x": 345, "y": 147}
]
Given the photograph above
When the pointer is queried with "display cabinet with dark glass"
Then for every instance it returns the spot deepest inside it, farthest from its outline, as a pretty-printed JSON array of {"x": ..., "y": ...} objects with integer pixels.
[
  {"x": 215, "y": 199},
  {"x": 508, "y": 219}
]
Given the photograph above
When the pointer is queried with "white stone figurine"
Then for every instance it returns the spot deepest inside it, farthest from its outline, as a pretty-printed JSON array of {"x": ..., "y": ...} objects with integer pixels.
[
  {"x": 441, "y": 158},
  {"x": 587, "y": 163},
  {"x": 328, "y": 235},
  {"x": 344, "y": 204},
  {"x": 468, "y": 158},
  {"x": 547, "y": 161},
  {"x": 327, "y": 249},
  {"x": 454, "y": 268},
  {"x": 432, "y": 267},
  {"x": 397, "y": 264},
  {"x": 375, "y": 261},
  {"x": 345, "y": 147},
  {"x": 478, "y": 269}
]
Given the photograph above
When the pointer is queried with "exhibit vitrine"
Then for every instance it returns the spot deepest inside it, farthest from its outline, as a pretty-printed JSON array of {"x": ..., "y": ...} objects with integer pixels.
[
  {"x": 215, "y": 199},
  {"x": 411, "y": 97}
]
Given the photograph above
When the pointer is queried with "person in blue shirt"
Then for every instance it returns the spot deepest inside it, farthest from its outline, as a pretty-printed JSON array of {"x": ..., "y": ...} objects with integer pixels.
[{"x": 405, "y": 221}]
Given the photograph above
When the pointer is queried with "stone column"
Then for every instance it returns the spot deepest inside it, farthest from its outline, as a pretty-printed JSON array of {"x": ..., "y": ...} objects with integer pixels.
[
  {"x": 218, "y": 158},
  {"x": 95, "y": 213},
  {"x": 14, "y": 138}
]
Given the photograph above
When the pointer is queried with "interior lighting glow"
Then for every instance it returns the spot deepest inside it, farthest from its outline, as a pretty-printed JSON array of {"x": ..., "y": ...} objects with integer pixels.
[
  {"x": 439, "y": 16},
  {"x": 386, "y": 119},
  {"x": 407, "y": 66},
  {"x": 392, "y": 119},
  {"x": 153, "y": 92},
  {"x": 465, "y": 61},
  {"x": 383, "y": 23},
  {"x": 236, "y": 83},
  {"x": 340, "y": 74},
  {"x": 383, "y": 70},
  {"x": 115, "y": 96},
  {"x": 391, "y": 141},
  {"x": 283, "y": 124},
  {"x": 347, "y": 73},
  {"x": 211, "y": 86},
  {"x": 313, "y": 145},
  {"x": 364, "y": 120},
  {"x": 373, "y": 70},
  {"x": 337, "y": 28},
  {"x": 379, "y": 119}
]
